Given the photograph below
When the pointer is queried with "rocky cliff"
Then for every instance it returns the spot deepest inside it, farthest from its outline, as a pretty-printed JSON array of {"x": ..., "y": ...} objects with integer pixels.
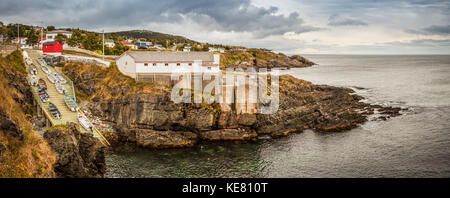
[
  {"x": 143, "y": 114},
  {"x": 78, "y": 155},
  {"x": 23, "y": 153}
]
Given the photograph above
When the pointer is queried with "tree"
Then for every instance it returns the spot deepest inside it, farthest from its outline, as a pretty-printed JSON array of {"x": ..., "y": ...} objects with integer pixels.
[
  {"x": 92, "y": 42},
  {"x": 76, "y": 38},
  {"x": 50, "y": 28},
  {"x": 32, "y": 37},
  {"x": 61, "y": 38}
]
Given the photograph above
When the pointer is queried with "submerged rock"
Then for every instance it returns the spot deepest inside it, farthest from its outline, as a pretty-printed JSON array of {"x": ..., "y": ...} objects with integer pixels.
[
  {"x": 228, "y": 134},
  {"x": 148, "y": 138}
]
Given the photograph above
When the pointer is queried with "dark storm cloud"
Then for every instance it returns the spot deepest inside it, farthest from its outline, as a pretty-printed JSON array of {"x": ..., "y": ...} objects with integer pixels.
[
  {"x": 337, "y": 20},
  {"x": 443, "y": 30},
  {"x": 230, "y": 15},
  {"x": 439, "y": 30}
]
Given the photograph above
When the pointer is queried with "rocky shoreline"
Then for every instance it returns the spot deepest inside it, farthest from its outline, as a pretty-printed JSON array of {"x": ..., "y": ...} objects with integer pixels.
[
  {"x": 152, "y": 120},
  {"x": 143, "y": 115}
]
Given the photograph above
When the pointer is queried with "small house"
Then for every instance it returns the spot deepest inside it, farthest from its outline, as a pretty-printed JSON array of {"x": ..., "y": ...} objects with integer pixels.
[
  {"x": 143, "y": 44},
  {"x": 187, "y": 49},
  {"x": 128, "y": 44},
  {"x": 53, "y": 48},
  {"x": 109, "y": 43},
  {"x": 50, "y": 36},
  {"x": 20, "y": 40},
  {"x": 217, "y": 49}
]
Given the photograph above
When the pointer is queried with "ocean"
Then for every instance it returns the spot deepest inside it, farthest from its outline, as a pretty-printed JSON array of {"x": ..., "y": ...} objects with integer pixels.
[{"x": 416, "y": 144}]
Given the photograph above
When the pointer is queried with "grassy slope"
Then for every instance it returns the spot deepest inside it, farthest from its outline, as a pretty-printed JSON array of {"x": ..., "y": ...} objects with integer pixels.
[
  {"x": 152, "y": 36},
  {"x": 236, "y": 57},
  {"x": 32, "y": 157},
  {"x": 109, "y": 80}
]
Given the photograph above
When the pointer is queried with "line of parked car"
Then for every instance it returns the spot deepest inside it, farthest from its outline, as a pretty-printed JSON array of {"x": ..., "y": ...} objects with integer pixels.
[{"x": 58, "y": 80}]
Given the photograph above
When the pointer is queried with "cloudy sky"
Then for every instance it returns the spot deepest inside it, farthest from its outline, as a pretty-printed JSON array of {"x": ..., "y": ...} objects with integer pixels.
[{"x": 289, "y": 26}]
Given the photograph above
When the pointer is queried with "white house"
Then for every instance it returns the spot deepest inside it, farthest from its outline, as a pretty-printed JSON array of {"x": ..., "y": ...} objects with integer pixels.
[
  {"x": 20, "y": 40},
  {"x": 109, "y": 43},
  {"x": 158, "y": 46},
  {"x": 218, "y": 49},
  {"x": 187, "y": 49},
  {"x": 50, "y": 36},
  {"x": 139, "y": 64}
]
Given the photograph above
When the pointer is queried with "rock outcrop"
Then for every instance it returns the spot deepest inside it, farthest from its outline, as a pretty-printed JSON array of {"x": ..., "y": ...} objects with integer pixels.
[
  {"x": 150, "y": 119},
  {"x": 9, "y": 127},
  {"x": 78, "y": 154},
  {"x": 3, "y": 148}
]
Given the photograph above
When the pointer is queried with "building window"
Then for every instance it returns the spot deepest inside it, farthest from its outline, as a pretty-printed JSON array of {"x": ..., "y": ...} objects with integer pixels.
[
  {"x": 154, "y": 64},
  {"x": 190, "y": 64},
  {"x": 145, "y": 64},
  {"x": 167, "y": 64},
  {"x": 178, "y": 64}
]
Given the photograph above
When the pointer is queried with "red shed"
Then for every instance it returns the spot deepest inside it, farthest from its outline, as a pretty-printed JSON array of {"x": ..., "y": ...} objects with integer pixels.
[{"x": 52, "y": 47}]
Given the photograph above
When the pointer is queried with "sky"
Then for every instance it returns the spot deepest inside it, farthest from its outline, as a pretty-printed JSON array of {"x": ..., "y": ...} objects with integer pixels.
[{"x": 288, "y": 26}]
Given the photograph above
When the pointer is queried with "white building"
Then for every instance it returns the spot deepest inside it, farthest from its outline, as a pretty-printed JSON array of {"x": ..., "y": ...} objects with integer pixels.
[
  {"x": 139, "y": 64},
  {"x": 50, "y": 36},
  {"x": 20, "y": 40},
  {"x": 109, "y": 43},
  {"x": 158, "y": 46},
  {"x": 187, "y": 49},
  {"x": 218, "y": 49}
]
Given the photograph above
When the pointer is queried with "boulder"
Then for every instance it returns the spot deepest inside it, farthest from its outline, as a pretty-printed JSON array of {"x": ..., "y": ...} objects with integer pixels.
[
  {"x": 9, "y": 127},
  {"x": 79, "y": 154}
]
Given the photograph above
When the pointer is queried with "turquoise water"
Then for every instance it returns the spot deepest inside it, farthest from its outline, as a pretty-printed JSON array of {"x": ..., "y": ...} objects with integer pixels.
[{"x": 416, "y": 144}]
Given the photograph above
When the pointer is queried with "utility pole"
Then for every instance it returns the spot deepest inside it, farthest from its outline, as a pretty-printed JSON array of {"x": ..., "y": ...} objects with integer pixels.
[
  {"x": 18, "y": 36},
  {"x": 40, "y": 38},
  {"x": 103, "y": 40}
]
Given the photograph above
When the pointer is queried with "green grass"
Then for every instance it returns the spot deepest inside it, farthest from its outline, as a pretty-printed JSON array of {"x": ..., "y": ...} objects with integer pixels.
[{"x": 15, "y": 59}]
